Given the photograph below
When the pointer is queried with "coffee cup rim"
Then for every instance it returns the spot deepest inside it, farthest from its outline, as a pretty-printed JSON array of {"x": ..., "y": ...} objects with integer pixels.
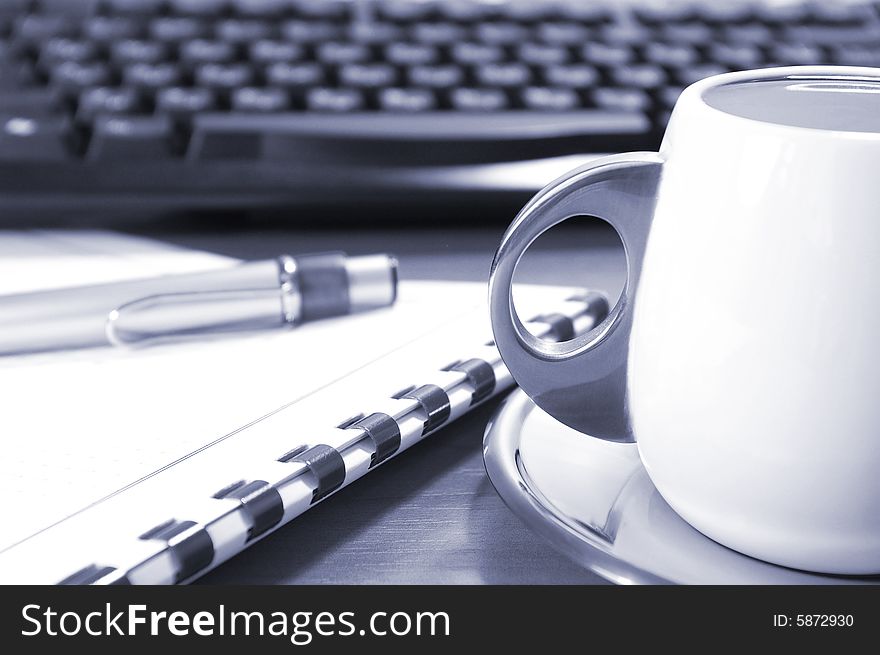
[{"x": 697, "y": 90}]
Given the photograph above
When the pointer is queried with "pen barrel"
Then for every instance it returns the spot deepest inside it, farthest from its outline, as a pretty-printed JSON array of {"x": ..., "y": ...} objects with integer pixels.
[
  {"x": 77, "y": 317},
  {"x": 332, "y": 284}
]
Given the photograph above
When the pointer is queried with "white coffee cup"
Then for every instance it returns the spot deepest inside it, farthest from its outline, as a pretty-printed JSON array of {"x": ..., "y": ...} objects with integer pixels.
[{"x": 744, "y": 353}]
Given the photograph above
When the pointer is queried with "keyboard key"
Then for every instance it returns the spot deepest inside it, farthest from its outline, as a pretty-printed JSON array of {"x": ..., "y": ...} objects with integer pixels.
[
  {"x": 108, "y": 29},
  {"x": 59, "y": 49},
  {"x": 37, "y": 28},
  {"x": 204, "y": 51},
  {"x": 140, "y": 7},
  {"x": 340, "y": 52},
  {"x": 549, "y": 99},
  {"x": 373, "y": 32},
  {"x": 332, "y": 9},
  {"x": 476, "y": 53},
  {"x": 174, "y": 29},
  {"x": 466, "y": 11},
  {"x": 669, "y": 95},
  {"x": 777, "y": 15},
  {"x": 236, "y": 30},
  {"x": 856, "y": 55},
  {"x": 672, "y": 55},
  {"x": 151, "y": 76},
  {"x": 575, "y": 76},
  {"x": 367, "y": 75},
  {"x": 107, "y": 100},
  {"x": 796, "y": 54},
  {"x": 133, "y": 51},
  {"x": 562, "y": 33},
  {"x": 197, "y": 7},
  {"x": 468, "y": 99},
  {"x": 690, "y": 33},
  {"x": 74, "y": 76},
  {"x": 542, "y": 54},
  {"x": 224, "y": 76},
  {"x": 621, "y": 99},
  {"x": 31, "y": 102},
  {"x": 436, "y": 77},
  {"x": 832, "y": 35},
  {"x": 748, "y": 33},
  {"x": 604, "y": 54},
  {"x": 737, "y": 56},
  {"x": 293, "y": 75},
  {"x": 691, "y": 74},
  {"x": 501, "y": 33},
  {"x": 134, "y": 137},
  {"x": 405, "y": 11},
  {"x": 438, "y": 33},
  {"x": 724, "y": 13},
  {"x": 267, "y": 51},
  {"x": 503, "y": 75},
  {"x": 335, "y": 100},
  {"x": 624, "y": 34},
  {"x": 840, "y": 15},
  {"x": 409, "y": 54},
  {"x": 522, "y": 11},
  {"x": 67, "y": 8},
  {"x": 260, "y": 8},
  {"x": 661, "y": 14},
  {"x": 34, "y": 137},
  {"x": 300, "y": 31},
  {"x": 642, "y": 76},
  {"x": 250, "y": 99},
  {"x": 449, "y": 136},
  {"x": 185, "y": 101},
  {"x": 587, "y": 12},
  {"x": 13, "y": 75},
  {"x": 407, "y": 100}
]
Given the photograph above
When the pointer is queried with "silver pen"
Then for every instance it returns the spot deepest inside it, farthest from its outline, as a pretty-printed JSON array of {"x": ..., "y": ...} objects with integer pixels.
[{"x": 255, "y": 295}]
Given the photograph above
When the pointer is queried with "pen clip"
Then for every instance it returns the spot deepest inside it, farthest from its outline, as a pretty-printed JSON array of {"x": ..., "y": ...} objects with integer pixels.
[{"x": 171, "y": 316}]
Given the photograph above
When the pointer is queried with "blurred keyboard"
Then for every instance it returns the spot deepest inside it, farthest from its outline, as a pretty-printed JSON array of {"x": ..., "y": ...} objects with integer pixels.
[{"x": 248, "y": 103}]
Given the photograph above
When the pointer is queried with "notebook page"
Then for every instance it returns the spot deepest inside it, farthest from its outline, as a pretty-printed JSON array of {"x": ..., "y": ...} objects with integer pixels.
[
  {"x": 107, "y": 532},
  {"x": 81, "y": 425},
  {"x": 33, "y": 260}
]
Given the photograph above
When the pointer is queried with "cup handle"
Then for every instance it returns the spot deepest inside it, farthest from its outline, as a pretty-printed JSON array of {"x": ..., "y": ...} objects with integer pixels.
[{"x": 581, "y": 382}]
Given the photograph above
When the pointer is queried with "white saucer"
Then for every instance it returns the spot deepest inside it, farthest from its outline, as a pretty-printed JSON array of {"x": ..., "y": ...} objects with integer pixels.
[{"x": 593, "y": 501}]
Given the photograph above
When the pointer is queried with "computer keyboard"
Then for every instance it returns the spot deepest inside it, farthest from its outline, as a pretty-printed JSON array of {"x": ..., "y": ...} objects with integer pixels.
[{"x": 199, "y": 104}]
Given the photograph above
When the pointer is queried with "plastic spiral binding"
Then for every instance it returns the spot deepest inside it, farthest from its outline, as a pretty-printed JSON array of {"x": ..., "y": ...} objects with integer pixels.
[{"x": 248, "y": 509}]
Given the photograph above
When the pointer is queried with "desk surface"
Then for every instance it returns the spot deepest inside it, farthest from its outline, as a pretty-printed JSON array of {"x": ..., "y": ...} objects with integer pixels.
[{"x": 431, "y": 514}]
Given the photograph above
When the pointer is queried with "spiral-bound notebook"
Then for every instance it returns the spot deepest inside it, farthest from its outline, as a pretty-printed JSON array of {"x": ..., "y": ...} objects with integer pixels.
[{"x": 156, "y": 465}]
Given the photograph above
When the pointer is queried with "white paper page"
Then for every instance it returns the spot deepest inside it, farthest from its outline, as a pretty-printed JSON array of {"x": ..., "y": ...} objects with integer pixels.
[
  {"x": 50, "y": 259},
  {"x": 107, "y": 532},
  {"x": 80, "y": 425}
]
